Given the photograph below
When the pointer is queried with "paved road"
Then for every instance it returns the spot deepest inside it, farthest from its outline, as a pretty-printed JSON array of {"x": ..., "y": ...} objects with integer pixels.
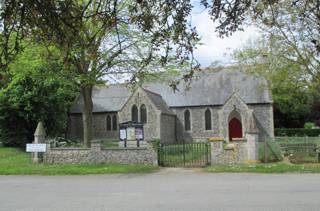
[{"x": 165, "y": 190}]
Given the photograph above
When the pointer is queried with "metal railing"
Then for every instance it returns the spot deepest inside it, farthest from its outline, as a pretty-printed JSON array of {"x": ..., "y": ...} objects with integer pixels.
[{"x": 184, "y": 155}]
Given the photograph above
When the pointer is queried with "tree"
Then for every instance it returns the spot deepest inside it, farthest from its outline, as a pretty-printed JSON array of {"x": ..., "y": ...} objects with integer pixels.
[
  {"x": 103, "y": 37},
  {"x": 33, "y": 93},
  {"x": 292, "y": 92}
]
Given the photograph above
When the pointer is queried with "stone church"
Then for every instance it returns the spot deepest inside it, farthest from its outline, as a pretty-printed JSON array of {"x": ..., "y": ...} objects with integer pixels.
[{"x": 225, "y": 104}]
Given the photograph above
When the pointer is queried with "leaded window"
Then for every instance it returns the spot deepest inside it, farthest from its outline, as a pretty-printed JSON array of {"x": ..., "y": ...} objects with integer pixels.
[
  {"x": 187, "y": 122},
  {"x": 134, "y": 113},
  {"x": 207, "y": 115},
  {"x": 143, "y": 113},
  {"x": 108, "y": 122},
  {"x": 114, "y": 122}
]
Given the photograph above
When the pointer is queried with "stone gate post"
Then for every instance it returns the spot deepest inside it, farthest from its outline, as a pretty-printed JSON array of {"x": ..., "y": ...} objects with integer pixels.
[
  {"x": 252, "y": 145},
  {"x": 39, "y": 137}
]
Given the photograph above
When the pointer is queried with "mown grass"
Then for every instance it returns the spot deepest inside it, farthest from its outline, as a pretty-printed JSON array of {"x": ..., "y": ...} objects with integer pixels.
[
  {"x": 110, "y": 143},
  {"x": 16, "y": 162},
  {"x": 266, "y": 168}
]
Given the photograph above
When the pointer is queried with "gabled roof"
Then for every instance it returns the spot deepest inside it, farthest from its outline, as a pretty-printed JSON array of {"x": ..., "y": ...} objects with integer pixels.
[
  {"x": 214, "y": 89},
  {"x": 207, "y": 88},
  {"x": 105, "y": 99},
  {"x": 158, "y": 101}
]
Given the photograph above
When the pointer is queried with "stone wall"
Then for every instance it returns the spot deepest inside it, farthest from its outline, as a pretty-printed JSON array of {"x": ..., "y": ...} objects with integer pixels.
[
  {"x": 75, "y": 126},
  {"x": 235, "y": 152},
  {"x": 168, "y": 128},
  {"x": 96, "y": 155},
  {"x": 197, "y": 116}
]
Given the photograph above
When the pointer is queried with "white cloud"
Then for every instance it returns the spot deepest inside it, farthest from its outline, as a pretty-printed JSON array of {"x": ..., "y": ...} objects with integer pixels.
[{"x": 214, "y": 48}]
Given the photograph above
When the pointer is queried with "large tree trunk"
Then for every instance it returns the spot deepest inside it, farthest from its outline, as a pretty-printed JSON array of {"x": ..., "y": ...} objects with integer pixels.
[{"x": 87, "y": 114}]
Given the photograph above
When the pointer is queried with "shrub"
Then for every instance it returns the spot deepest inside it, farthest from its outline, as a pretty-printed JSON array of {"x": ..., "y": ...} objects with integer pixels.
[
  {"x": 29, "y": 99},
  {"x": 297, "y": 132},
  {"x": 309, "y": 125}
]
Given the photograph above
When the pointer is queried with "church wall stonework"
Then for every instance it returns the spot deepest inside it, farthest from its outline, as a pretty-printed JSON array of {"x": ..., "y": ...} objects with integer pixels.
[
  {"x": 152, "y": 127},
  {"x": 197, "y": 116},
  {"x": 162, "y": 128},
  {"x": 168, "y": 128},
  {"x": 234, "y": 105},
  {"x": 99, "y": 121},
  {"x": 263, "y": 114}
]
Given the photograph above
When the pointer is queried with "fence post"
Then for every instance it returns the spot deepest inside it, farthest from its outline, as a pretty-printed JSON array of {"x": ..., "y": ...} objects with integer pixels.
[
  {"x": 184, "y": 153},
  {"x": 265, "y": 150},
  {"x": 159, "y": 154}
]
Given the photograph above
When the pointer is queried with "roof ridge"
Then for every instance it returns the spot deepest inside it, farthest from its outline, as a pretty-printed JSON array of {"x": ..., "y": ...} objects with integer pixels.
[{"x": 152, "y": 92}]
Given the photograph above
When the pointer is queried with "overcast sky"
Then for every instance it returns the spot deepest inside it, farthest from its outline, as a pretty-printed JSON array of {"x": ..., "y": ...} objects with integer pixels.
[{"x": 214, "y": 48}]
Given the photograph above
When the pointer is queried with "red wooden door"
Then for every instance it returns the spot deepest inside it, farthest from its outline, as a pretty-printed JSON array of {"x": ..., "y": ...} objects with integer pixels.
[{"x": 235, "y": 129}]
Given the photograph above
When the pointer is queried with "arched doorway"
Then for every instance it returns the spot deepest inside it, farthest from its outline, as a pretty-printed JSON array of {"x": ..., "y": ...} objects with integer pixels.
[{"x": 235, "y": 128}]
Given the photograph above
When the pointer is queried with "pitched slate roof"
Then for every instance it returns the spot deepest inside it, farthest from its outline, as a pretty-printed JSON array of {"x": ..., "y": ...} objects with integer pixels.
[
  {"x": 105, "y": 99},
  {"x": 158, "y": 101},
  {"x": 207, "y": 88},
  {"x": 214, "y": 89}
]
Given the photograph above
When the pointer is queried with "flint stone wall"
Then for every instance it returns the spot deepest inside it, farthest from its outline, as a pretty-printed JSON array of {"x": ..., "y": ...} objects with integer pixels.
[
  {"x": 219, "y": 155},
  {"x": 243, "y": 150},
  {"x": 96, "y": 155}
]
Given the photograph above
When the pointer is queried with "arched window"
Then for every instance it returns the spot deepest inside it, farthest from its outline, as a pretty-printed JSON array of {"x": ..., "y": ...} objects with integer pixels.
[
  {"x": 108, "y": 123},
  {"x": 187, "y": 125},
  {"x": 207, "y": 116},
  {"x": 134, "y": 113},
  {"x": 114, "y": 122},
  {"x": 143, "y": 113}
]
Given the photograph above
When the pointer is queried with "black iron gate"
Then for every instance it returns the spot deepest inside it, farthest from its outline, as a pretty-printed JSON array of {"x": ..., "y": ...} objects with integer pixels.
[{"x": 184, "y": 155}]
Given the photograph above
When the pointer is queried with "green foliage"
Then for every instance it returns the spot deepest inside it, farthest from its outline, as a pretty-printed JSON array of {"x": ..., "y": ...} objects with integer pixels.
[
  {"x": 297, "y": 132},
  {"x": 155, "y": 144},
  {"x": 309, "y": 125},
  {"x": 35, "y": 92},
  {"x": 292, "y": 93}
]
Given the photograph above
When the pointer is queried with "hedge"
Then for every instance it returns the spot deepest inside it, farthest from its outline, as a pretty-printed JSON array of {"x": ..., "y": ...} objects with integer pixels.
[{"x": 297, "y": 132}]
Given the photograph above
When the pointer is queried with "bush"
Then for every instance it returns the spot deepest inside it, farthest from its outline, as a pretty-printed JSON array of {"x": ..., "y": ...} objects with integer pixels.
[
  {"x": 29, "y": 99},
  {"x": 309, "y": 125},
  {"x": 155, "y": 144},
  {"x": 297, "y": 132},
  {"x": 37, "y": 88}
]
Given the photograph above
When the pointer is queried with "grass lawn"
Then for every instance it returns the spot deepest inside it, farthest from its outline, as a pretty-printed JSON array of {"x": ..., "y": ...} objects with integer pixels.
[
  {"x": 16, "y": 162},
  {"x": 280, "y": 167},
  {"x": 110, "y": 143}
]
